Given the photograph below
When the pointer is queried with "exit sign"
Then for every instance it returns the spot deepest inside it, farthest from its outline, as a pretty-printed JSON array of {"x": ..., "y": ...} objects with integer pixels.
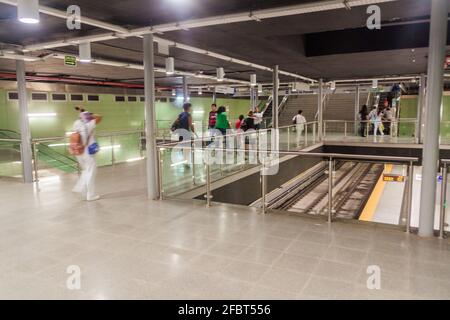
[{"x": 70, "y": 61}]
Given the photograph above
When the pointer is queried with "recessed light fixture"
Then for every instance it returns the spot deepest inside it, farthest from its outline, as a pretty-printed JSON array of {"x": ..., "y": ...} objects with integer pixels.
[
  {"x": 253, "y": 80},
  {"x": 28, "y": 11},
  {"x": 170, "y": 65},
  {"x": 85, "y": 52},
  {"x": 220, "y": 74},
  {"x": 374, "y": 83}
]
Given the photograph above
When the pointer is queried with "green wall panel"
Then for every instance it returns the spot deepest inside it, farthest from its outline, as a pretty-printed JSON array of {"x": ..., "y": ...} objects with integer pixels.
[{"x": 117, "y": 116}]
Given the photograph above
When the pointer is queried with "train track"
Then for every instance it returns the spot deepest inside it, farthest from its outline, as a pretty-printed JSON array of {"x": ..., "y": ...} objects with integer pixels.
[{"x": 352, "y": 186}]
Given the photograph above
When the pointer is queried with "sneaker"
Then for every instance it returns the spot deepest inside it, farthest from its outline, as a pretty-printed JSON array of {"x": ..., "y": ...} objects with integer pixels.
[{"x": 94, "y": 198}]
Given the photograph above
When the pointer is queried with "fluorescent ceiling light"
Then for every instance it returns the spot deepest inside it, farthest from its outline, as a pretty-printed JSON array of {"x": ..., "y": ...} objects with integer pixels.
[
  {"x": 199, "y": 111},
  {"x": 42, "y": 115},
  {"x": 220, "y": 74},
  {"x": 374, "y": 83},
  {"x": 253, "y": 80},
  {"x": 28, "y": 11},
  {"x": 170, "y": 65},
  {"x": 85, "y": 52}
]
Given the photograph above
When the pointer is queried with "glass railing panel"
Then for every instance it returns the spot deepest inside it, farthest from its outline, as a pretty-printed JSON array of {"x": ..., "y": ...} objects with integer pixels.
[{"x": 10, "y": 159}]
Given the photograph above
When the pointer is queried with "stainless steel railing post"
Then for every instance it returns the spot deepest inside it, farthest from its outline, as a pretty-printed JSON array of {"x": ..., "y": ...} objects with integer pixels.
[
  {"x": 193, "y": 160},
  {"x": 314, "y": 132},
  {"x": 443, "y": 202},
  {"x": 409, "y": 196},
  {"x": 306, "y": 134},
  {"x": 288, "y": 138},
  {"x": 263, "y": 188},
  {"x": 345, "y": 129},
  {"x": 160, "y": 158},
  {"x": 367, "y": 129},
  {"x": 208, "y": 181},
  {"x": 35, "y": 162},
  {"x": 113, "y": 160},
  {"x": 330, "y": 190}
]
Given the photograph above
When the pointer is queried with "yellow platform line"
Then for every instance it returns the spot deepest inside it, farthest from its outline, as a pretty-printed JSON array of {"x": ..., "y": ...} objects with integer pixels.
[{"x": 372, "y": 203}]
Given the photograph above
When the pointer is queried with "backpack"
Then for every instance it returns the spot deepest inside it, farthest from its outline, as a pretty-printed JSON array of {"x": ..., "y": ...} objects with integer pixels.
[
  {"x": 181, "y": 122},
  {"x": 175, "y": 124},
  {"x": 76, "y": 146}
]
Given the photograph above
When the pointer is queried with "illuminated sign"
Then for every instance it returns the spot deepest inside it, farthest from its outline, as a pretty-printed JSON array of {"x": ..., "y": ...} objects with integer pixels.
[
  {"x": 393, "y": 178},
  {"x": 70, "y": 61}
]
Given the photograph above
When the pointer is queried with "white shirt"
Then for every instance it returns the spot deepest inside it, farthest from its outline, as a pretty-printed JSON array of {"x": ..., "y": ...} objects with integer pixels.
[
  {"x": 299, "y": 119},
  {"x": 85, "y": 130},
  {"x": 258, "y": 118}
]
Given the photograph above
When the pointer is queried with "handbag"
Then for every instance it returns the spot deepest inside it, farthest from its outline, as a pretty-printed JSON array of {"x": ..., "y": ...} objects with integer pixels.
[{"x": 93, "y": 148}]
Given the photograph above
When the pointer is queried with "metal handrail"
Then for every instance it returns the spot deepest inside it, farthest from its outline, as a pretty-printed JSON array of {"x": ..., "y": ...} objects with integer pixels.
[
  {"x": 331, "y": 158},
  {"x": 10, "y": 140},
  {"x": 443, "y": 204}
]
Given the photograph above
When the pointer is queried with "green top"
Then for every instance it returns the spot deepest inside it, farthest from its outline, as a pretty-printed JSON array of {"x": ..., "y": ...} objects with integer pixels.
[{"x": 222, "y": 122}]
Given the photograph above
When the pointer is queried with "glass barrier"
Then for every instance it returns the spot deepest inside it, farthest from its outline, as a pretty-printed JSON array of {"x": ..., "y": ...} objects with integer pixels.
[{"x": 10, "y": 159}]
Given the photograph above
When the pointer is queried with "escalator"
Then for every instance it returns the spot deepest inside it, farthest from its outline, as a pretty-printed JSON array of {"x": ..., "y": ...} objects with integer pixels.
[{"x": 46, "y": 154}]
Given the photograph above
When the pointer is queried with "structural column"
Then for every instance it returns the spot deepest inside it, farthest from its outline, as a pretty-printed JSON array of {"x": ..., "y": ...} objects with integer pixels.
[
  {"x": 276, "y": 85},
  {"x": 185, "y": 90},
  {"x": 357, "y": 96},
  {"x": 25, "y": 135},
  {"x": 421, "y": 107},
  {"x": 150, "y": 119},
  {"x": 215, "y": 95},
  {"x": 320, "y": 109},
  {"x": 436, "y": 56}
]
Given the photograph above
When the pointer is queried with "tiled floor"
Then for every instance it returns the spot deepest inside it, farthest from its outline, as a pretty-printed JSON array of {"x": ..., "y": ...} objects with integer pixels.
[{"x": 129, "y": 247}]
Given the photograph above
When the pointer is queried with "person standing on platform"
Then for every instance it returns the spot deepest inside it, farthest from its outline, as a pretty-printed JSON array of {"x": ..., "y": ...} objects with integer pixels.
[
  {"x": 299, "y": 121},
  {"x": 363, "y": 116},
  {"x": 377, "y": 122},
  {"x": 258, "y": 116},
  {"x": 84, "y": 129},
  {"x": 212, "y": 119}
]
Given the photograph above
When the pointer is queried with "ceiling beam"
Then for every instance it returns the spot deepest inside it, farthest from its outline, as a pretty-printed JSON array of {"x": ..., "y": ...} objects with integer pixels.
[
  {"x": 118, "y": 64},
  {"x": 120, "y": 32}
]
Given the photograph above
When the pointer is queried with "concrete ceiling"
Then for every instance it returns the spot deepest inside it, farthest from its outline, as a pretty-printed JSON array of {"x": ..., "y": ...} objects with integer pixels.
[{"x": 284, "y": 41}]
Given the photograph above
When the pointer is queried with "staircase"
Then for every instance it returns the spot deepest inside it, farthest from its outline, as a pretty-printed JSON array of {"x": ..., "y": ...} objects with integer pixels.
[
  {"x": 45, "y": 153},
  {"x": 337, "y": 106}
]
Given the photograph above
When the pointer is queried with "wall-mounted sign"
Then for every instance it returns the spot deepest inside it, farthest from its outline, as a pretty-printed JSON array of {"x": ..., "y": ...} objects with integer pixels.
[
  {"x": 225, "y": 90},
  {"x": 393, "y": 178},
  {"x": 70, "y": 61}
]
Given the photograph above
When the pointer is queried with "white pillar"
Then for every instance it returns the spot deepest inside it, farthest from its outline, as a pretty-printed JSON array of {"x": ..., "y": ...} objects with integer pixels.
[
  {"x": 320, "y": 110},
  {"x": 185, "y": 90},
  {"x": 275, "y": 97},
  {"x": 150, "y": 118},
  {"x": 421, "y": 107},
  {"x": 26, "y": 154},
  {"x": 436, "y": 57},
  {"x": 357, "y": 106}
]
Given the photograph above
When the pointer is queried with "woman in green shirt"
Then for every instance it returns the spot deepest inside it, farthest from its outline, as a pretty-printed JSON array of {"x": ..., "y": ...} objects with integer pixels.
[{"x": 222, "y": 123}]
